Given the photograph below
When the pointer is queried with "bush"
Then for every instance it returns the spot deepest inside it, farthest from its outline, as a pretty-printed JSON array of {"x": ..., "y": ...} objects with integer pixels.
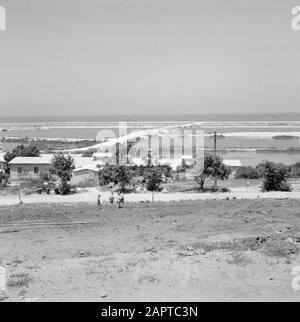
[
  {"x": 247, "y": 173},
  {"x": 153, "y": 178},
  {"x": 260, "y": 169},
  {"x": 275, "y": 176},
  {"x": 64, "y": 187},
  {"x": 295, "y": 170}
]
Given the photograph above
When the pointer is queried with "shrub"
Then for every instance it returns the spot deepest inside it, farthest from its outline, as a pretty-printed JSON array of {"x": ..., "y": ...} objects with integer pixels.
[
  {"x": 275, "y": 176},
  {"x": 295, "y": 170},
  {"x": 260, "y": 169},
  {"x": 247, "y": 173},
  {"x": 153, "y": 178}
]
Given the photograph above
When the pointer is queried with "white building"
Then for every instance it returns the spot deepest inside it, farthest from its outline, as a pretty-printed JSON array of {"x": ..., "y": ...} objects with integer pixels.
[
  {"x": 2, "y": 161},
  {"x": 22, "y": 168},
  {"x": 233, "y": 163}
]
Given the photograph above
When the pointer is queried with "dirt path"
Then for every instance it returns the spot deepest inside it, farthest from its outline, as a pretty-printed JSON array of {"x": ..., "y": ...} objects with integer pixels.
[{"x": 90, "y": 196}]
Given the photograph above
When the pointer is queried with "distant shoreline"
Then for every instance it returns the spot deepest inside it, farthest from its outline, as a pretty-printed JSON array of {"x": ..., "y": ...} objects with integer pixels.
[{"x": 157, "y": 117}]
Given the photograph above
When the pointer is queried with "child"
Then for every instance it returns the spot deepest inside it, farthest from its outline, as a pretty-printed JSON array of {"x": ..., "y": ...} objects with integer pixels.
[
  {"x": 111, "y": 199},
  {"x": 99, "y": 201},
  {"x": 120, "y": 200}
]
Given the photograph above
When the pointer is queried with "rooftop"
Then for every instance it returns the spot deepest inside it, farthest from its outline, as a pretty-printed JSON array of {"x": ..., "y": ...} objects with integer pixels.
[
  {"x": 43, "y": 159},
  {"x": 232, "y": 163},
  {"x": 92, "y": 167},
  {"x": 46, "y": 159}
]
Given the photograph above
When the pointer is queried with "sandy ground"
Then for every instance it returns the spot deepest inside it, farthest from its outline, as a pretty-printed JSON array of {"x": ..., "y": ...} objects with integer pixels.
[
  {"x": 222, "y": 250},
  {"x": 90, "y": 195}
]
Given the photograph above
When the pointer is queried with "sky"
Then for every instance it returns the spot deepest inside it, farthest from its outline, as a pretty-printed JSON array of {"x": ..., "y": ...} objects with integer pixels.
[{"x": 102, "y": 57}]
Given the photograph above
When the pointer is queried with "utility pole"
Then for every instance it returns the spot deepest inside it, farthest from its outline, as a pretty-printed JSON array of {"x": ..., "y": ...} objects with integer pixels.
[
  {"x": 117, "y": 153},
  {"x": 215, "y": 153},
  {"x": 149, "y": 151}
]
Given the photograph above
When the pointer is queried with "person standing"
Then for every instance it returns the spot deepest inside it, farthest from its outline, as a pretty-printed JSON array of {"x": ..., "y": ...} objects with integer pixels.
[
  {"x": 99, "y": 201},
  {"x": 111, "y": 199},
  {"x": 121, "y": 200}
]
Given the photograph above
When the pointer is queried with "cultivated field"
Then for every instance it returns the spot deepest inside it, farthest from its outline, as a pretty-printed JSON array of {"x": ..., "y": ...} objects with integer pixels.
[{"x": 232, "y": 250}]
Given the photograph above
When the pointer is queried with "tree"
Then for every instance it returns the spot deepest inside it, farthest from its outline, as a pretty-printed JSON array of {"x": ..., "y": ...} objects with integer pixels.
[
  {"x": 104, "y": 175},
  {"x": 122, "y": 176},
  {"x": 117, "y": 174},
  {"x": 275, "y": 177},
  {"x": 30, "y": 150},
  {"x": 153, "y": 178},
  {"x": 213, "y": 168},
  {"x": 62, "y": 166}
]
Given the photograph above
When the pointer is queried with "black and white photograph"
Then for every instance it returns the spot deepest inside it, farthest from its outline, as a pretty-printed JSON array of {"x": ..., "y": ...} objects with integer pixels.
[{"x": 149, "y": 152}]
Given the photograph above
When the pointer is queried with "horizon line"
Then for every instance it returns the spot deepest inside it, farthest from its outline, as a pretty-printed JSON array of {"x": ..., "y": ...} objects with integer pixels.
[{"x": 152, "y": 114}]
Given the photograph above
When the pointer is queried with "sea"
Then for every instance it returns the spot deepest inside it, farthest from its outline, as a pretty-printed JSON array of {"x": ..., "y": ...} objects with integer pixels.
[{"x": 250, "y": 138}]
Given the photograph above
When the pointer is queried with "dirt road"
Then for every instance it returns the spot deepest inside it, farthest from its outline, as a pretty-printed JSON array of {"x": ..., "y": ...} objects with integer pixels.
[{"x": 90, "y": 195}]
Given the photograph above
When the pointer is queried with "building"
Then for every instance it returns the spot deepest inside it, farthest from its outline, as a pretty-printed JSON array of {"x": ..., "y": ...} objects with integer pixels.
[
  {"x": 22, "y": 168},
  {"x": 86, "y": 175},
  {"x": 2, "y": 162},
  {"x": 233, "y": 163}
]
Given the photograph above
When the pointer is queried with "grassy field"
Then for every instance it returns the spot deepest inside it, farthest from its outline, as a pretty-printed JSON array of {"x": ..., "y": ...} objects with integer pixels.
[{"x": 202, "y": 250}]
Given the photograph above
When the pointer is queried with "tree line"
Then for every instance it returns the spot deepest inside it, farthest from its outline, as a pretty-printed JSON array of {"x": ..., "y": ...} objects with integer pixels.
[{"x": 274, "y": 175}]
